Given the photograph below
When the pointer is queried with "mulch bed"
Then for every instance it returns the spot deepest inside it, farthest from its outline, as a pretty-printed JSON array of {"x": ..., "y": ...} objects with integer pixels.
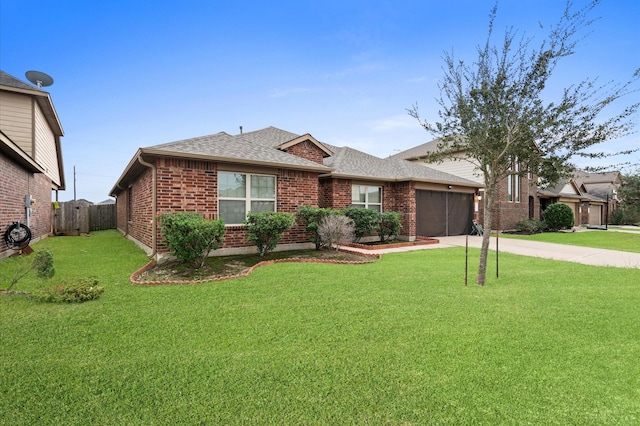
[{"x": 419, "y": 241}]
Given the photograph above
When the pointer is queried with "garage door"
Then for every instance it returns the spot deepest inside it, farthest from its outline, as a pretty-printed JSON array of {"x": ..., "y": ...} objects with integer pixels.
[
  {"x": 440, "y": 214},
  {"x": 595, "y": 215}
]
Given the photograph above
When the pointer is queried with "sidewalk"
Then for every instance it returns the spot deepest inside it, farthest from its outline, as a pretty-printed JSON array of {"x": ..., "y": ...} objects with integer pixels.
[{"x": 584, "y": 255}]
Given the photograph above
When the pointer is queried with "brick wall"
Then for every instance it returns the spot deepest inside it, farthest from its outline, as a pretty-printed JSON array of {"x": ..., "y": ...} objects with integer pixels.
[
  {"x": 192, "y": 186},
  {"x": 403, "y": 201},
  {"x": 16, "y": 183},
  {"x": 509, "y": 213},
  {"x": 396, "y": 196},
  {"x": 335, "y": 193},
  {"x": 306, "y": 150}
]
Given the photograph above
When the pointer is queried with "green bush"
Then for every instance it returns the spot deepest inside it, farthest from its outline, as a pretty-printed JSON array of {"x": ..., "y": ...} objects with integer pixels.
[
  {"x": 190, "y": 237},
  {"x": 265, "y": 229},
  {"x": 83, "y": 290},
  {"x": 390, "y": 225},
  {"x": 558, "y": 216},
  {"x": 311, "y": 217},
  {"x": 530, "y": 226},
  {"x": 366, "y": 221}
]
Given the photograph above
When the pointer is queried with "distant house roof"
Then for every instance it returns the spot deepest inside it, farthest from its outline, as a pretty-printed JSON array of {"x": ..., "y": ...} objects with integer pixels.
[
  {"x": 422, "y": 150},
  {"x": 351, "y": 163},
  {"x": 10, "y": 81}
]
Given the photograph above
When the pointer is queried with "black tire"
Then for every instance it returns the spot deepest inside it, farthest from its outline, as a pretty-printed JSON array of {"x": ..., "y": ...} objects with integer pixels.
[{"x": 17, "y": 236}]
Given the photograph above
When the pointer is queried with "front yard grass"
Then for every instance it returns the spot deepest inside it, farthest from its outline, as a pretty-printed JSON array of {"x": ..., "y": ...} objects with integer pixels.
[
  {"x": 398, "y": 341},
  {"x": 610, "y": 240}
]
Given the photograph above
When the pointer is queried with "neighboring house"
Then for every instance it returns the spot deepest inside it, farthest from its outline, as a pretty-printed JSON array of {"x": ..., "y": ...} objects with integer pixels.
[
  {"x": 30, "y": 157},
  {"x": 225, "y": 176},
  {"x": 592, "y": 196},
  {"x": 516, "y": 198}
]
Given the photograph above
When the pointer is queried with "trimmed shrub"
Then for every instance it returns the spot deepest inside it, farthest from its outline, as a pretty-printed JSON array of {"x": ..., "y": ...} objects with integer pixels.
[
  {"x": 83, "y": 290},
  {"x": 390, "y": 225},
  {"x": 530, "y": 226},
  {"x": 558, "y": 216},
  {"x": 265, "y": 229},
  {"x": 366, "y": 221},
  {"x": 617, "y": 217},
  {"x": 311, "y": 217},
  {"x": 190, "y": 237},
  {"x": 335, "y": 230}
]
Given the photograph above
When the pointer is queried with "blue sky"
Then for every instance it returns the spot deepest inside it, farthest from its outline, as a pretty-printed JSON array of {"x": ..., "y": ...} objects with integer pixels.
[{"x": 131, "y": 74}]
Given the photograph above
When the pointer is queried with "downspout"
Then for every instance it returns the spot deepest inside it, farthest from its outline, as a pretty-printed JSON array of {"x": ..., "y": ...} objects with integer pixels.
[{"x": 154, "y": 236}]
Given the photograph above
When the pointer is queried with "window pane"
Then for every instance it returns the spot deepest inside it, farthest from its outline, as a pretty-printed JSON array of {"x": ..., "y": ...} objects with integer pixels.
[
  {"x": 358, "y": 194},
  {"x": 232, "y": 212},
  {"x": 377, "y": 208},
  {"x": 262, "y": 206},
  {"x": 374, "y": 194},
  {"x": 232, "y": 185},
  {"x": 263, "y": 187}
]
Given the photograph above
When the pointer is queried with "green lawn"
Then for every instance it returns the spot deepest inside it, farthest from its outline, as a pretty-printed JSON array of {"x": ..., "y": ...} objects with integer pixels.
[
  {"x": 611, "y": 240},
  {"x": 399, "y": 341}
]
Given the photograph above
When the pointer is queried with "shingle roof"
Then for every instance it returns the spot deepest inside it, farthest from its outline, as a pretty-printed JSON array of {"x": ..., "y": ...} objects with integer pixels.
[
  {"x": 269, "y": 136},
  {"x": 260, "y": 147},
  {"x": 417, "y": 151},
  {"x": 238, "y": 149},
  {"x": 11, "y": 81},
  {"x": 353, "y": 163}
]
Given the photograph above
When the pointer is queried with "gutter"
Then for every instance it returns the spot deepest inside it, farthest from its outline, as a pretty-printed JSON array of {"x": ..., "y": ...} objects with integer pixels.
[{"x": 154, "y": 196}]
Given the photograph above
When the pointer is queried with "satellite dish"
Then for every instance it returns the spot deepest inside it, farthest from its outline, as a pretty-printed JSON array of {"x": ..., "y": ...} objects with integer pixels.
[{"x": 38, "y": 78}]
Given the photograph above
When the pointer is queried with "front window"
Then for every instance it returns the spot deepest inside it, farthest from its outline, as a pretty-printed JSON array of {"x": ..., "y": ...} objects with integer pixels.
[
  {"x": 240, "y": 193},
  {"x": 513, "y": 183},
  {"x": 367, "y": 197}
]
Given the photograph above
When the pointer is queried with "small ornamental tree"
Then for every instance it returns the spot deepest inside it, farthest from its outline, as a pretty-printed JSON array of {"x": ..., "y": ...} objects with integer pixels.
[
  {"x": 190, "y": 237},
  {"x": 265, "y": 229},
  {"x": 42, "y": 263},
  {"x": 311, "y": 217},
  {"x": 558, "y": 216},
  {"x": 365, "y": 221},
  {"x": 390, "y": 225},
  {"x": 499, "y": 110},
  {"x": 335, "y": 230}
]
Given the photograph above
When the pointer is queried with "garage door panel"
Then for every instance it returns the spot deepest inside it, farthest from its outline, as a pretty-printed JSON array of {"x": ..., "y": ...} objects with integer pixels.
[{"x": 440, "y": 213}]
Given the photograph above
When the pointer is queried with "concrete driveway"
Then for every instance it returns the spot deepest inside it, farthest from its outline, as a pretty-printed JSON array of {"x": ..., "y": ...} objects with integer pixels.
[{"x": 584, "y": 255}]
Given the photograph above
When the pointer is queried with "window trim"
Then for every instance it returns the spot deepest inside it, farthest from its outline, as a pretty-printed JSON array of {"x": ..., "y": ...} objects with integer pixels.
[
  {"x": 247, "y": 198},
  {"x": 366, "y": 203},
  {"x": 513, "y": 184}
]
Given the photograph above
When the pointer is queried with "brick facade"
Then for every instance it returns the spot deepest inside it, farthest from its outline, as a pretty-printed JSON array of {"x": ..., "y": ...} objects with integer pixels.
[
  {"x": 508, "y": 213},
  {"x": 306, "y": 150},
  {"x": 192, "y": 186},
  {"x": 16, "y": 182},
  {"x": 396, "y": 196}
]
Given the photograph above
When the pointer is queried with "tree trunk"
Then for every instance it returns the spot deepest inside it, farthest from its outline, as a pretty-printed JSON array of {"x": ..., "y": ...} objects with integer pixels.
[{"x": 489, "y": 205}]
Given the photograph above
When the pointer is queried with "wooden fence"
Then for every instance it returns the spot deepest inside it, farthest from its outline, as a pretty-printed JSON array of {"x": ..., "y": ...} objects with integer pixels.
[{"x": 79, "y": 217}]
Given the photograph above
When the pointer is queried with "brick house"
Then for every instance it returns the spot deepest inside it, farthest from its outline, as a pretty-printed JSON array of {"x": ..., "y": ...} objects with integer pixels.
[
  {"x": 517, "y": 195},
  {"x": 30, "y": 158},
  {"x": 225, "y": 176}
]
